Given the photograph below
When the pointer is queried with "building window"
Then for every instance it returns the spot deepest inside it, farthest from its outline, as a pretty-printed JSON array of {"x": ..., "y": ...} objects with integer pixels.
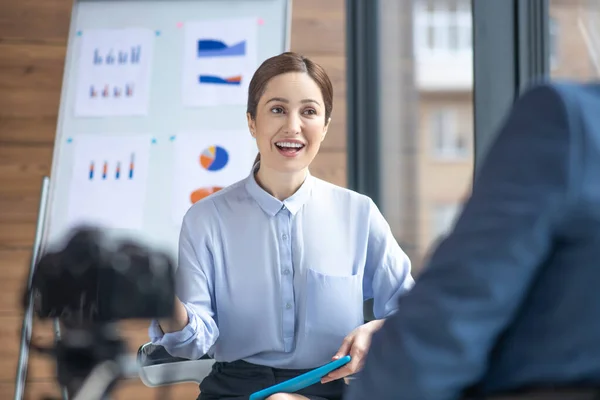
[
  {"x": 443, "y": 26},
  {"x": 446, "y": 138},
  {"x": 553, "y": 42},
  {"x": 443, "y": 217}
]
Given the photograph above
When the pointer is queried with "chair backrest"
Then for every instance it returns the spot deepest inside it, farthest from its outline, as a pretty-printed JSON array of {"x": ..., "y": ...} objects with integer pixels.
[{"x": 158, "y": 367}]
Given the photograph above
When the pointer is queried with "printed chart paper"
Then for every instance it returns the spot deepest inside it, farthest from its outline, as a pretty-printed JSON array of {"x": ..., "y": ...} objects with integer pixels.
[
  {"x": 109, "y": 181},
  {"x": 219, "y": 59},
  {"x": 114, "y": 72},
  {"x": 206, "y": 162}
]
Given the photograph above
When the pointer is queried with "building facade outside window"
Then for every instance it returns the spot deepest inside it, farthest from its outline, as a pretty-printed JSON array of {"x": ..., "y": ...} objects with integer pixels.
[
  {"x": 448, "y": 142},
  {"x": 443, "y": 26},
  {"x": 443, "y": 218}
]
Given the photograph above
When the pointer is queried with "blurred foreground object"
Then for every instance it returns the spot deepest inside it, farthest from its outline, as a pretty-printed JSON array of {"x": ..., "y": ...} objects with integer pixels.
[{"x": 89, "y": 285}]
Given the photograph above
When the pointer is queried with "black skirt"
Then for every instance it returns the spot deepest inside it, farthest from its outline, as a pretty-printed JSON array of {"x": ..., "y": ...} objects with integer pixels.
[{"x": 239, "y": 379}]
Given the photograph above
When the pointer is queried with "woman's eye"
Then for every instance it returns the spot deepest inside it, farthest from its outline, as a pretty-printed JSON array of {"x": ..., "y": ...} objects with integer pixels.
[
  {"x": 310, "y": 112},
  {"x": 277, "y": 110}
]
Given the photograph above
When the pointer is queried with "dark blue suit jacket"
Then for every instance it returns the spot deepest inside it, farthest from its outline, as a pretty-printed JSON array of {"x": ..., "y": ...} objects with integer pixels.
[{"x": 511, "y": 297}]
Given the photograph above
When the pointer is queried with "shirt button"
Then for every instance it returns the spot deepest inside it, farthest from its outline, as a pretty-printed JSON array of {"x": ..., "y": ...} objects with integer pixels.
[
  {"x": 288, "y": 306},
  {"x": 286, "y": 272},
  {"x": 284, "y": 236}
]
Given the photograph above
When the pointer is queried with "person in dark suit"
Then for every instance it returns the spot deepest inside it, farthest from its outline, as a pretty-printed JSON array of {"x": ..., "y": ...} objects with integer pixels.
[{"x": 510, "y": 300}]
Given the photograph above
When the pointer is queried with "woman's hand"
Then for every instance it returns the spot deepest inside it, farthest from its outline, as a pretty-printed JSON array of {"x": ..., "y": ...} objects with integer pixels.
[
  {"x": 356, "y": 344},
  {"x": 178, "y": 321}
]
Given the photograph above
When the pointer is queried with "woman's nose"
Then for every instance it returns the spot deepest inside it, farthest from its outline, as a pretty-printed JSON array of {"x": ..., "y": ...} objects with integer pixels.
[{"x": 293, "y": 124}]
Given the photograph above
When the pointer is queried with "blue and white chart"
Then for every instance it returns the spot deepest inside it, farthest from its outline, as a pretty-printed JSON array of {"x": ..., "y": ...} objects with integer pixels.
[
  {"x": 219, "y": 59},
  {"x": 114, "y": 72},
  {"x": 206, "y": 162}
]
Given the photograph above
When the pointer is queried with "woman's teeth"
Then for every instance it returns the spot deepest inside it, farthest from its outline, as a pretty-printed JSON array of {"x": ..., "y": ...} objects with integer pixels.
[{"x": 290, "y": 145}]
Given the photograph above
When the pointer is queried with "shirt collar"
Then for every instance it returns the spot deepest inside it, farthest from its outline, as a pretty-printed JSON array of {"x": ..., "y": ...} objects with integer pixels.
[{"x": 270, "y": 204}]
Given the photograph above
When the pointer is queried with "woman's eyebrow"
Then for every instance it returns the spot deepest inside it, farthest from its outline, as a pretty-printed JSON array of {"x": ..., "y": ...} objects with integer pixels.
[
  {"x": 282, "y": 100},
  {"x": 310, "y": 101}
]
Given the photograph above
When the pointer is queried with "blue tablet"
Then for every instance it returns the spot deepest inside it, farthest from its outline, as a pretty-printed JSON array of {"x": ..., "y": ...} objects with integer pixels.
[{"x": 301, "y": 381}]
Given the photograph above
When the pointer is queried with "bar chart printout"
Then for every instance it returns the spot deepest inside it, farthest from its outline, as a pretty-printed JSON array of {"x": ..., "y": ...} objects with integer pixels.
[
  {"x": 220, "y": 57},
  {"x": 114, "y": 72},
  {"x": 109, "y": 181}
]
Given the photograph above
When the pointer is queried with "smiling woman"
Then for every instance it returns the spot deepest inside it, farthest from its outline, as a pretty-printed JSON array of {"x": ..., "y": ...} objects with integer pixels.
[
  {"x": 289, "y": 109},
  {"x": 289, "y": 129},
  {"x": 274, "y": 269}
]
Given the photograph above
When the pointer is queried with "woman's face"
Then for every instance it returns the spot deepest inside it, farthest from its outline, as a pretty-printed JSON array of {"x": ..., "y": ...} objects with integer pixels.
[{"x": 290, "y": 122}]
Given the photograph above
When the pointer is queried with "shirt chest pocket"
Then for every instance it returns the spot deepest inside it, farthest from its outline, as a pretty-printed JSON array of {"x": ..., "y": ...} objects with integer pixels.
[{"x": 334, "y": 304}]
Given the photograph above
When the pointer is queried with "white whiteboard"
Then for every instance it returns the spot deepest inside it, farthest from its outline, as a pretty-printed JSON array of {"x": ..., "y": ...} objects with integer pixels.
[{"x": 148, "y": 97}]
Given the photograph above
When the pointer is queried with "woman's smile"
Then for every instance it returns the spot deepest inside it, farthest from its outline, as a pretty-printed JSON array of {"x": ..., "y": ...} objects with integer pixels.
[{"x": 290, "y": 147}]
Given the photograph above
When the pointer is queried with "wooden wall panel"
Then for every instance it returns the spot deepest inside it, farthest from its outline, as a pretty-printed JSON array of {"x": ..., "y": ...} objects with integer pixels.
[
  {"x": 330, "y": 166},
  {"x": 29, "y": 131},
  {"x": 35, "y": 21},
  {"x": 27, "y": 66},
  {"x": 14, "y": 267},
  {"x": 33, "y": 37},
  {"x": 316, "y": 27}
]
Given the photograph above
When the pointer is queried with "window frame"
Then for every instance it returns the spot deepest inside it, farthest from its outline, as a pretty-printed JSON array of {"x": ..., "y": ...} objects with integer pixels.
[
  {"x": 510, "y": 44},
  {"x": 510, "y": 52},
  {"x": 362, "y": 76},
  {"x": 553, "y": 40}
]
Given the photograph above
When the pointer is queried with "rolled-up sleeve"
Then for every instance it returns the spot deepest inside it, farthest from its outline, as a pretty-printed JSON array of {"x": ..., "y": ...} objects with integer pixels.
[
  {"x": 387, "y": 269},
  {"x": 174, "y": 339},
  {"x": 194, "y": 287}
]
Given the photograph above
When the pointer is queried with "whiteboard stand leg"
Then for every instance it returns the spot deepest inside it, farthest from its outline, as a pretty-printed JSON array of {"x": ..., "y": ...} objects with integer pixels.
[
  {"x": 56, "y": 326},
  {"x": 26, "y": 327}
]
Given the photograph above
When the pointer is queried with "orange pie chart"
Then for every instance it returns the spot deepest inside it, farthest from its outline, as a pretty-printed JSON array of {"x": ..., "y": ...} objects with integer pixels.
[{"x": 201, "y": 193}]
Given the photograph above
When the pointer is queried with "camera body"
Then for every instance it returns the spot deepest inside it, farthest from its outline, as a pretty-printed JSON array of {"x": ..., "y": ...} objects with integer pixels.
[
  {"x": 97, "y": 279},
  {"x": 88, "y": 286}
]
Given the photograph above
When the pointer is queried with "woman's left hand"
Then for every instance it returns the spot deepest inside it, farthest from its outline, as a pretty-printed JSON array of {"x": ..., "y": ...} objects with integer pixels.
[{"x": 356, "y": 344}]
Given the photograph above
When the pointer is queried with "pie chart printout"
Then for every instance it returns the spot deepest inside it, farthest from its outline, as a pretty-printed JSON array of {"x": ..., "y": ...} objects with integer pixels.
[
  {"x": 206, "y": 162},
  {"x": 214, "y": 158},
  {"x": 201, "y": 193}
]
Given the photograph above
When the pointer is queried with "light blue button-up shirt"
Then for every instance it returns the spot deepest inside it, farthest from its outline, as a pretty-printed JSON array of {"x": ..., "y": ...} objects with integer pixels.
[{"x": 281, "y": 283}]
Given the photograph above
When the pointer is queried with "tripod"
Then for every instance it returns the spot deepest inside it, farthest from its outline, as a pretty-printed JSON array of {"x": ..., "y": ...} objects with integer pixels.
[{"x": 90, "y": 361}]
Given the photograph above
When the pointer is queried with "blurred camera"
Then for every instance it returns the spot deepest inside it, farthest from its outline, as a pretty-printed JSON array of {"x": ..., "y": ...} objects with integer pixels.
[
  {"x": 97, "y": 279},
  {"x": 87, "y": 286}
]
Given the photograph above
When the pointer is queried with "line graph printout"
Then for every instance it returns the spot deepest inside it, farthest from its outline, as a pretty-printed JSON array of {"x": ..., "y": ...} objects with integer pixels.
[
  {"x": 114, "y": 72},
  {"x": 219, "y": 59},
  {"x": 206, "y": 162},
  {"x": 109, "y": 181}
]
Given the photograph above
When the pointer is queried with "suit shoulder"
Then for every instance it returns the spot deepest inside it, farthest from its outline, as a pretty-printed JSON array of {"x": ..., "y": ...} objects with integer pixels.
[{"x": 562, "y": 94}]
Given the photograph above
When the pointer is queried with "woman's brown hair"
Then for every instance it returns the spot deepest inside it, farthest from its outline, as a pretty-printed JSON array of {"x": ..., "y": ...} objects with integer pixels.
[{"x": 281, "y": 64}]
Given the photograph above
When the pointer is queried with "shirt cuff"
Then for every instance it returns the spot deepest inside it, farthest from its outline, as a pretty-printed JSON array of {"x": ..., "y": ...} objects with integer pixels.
[{"x": 174, "y": 339}]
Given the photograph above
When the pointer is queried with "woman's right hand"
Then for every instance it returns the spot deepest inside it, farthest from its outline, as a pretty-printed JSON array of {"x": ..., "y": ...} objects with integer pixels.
[{"x": 178, "y": 321}]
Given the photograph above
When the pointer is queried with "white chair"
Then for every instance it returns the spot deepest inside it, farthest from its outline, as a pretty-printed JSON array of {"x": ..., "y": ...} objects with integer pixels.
[{"x": 159, "y": 368}]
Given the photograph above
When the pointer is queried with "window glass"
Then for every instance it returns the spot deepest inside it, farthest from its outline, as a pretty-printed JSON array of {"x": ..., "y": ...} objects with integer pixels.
[
  {"x": 426, "y": 118},
  {"x": 574, "y": 39},
  {"x": 443, "y": 217}
]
